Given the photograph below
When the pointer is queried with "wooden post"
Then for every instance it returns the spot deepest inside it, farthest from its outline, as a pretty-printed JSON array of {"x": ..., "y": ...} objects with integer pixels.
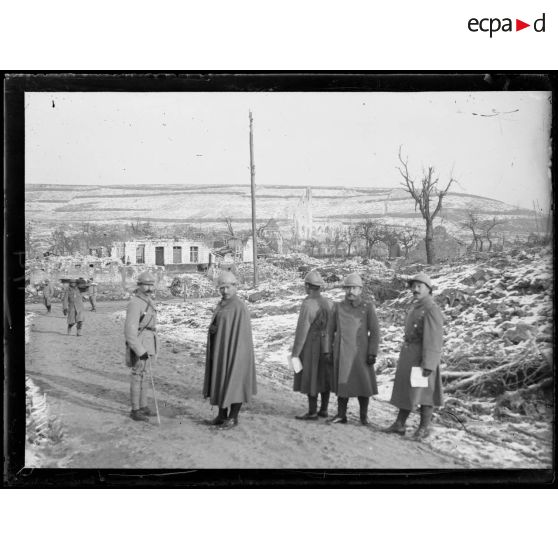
[{"x": 253, "y": 186}]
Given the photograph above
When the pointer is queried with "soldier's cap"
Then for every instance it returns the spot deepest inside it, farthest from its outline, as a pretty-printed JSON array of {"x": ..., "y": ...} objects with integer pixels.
[
  {"x": 72, "y": 281},
  {"x": 421, "y": 278},
  {"x": 314, "y": 278},
  {"x": 226, "y": 278},
  {"x": 352, "y": 280},
  {"x": 47, "y": 280},
  {"x": 146, "y": 278}
]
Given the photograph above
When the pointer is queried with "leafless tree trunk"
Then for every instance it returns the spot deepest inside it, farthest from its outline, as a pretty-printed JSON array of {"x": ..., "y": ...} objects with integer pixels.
[
  {"x": 350, "y": 237},
  {"x": 424, "y": 195},
  {"x": 487, "y": 228},
  {"x": 473, "y": 224}
]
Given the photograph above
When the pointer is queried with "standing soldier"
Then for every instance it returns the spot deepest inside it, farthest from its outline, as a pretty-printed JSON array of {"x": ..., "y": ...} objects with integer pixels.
[
  {"x": 72, "y": 306},
  {"x": 310, "y": 345},
  {"x": 422, "y": 347},
  {"x": 355, "y": 333},
  {"x": 230, "y": 368},
  {"x": 48, "y": 293},
  {"x": 93, "y": 294},
  {"x": 141, "y": 343}
]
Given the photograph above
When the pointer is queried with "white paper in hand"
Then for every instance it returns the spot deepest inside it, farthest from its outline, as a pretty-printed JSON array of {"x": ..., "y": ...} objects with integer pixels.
[
  {"x": 417, "y": 379},
  {"x": 294, "y": 364}
]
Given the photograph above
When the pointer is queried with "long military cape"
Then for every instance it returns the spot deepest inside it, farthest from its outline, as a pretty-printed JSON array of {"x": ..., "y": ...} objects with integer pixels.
[{"x": 230, "y": 369}]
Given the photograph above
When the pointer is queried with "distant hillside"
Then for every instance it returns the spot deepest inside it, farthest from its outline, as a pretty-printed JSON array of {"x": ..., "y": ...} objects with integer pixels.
[{"x": 194, "y": 203}]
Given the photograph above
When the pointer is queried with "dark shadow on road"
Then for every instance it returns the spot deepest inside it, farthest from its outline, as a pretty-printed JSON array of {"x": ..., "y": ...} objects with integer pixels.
[
  {"x": 81, "y": 393},
  {"x": 47, "y": 331}
]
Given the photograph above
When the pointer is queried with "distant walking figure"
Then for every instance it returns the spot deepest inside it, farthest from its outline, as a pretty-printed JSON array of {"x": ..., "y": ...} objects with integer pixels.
[
  {"x": 48, "y": 293},
  {"x": 72, "y": 306}
]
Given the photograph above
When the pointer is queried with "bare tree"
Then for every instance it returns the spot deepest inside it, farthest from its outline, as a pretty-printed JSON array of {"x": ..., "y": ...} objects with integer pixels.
[
  {"x": 473, "y": 223},
  {"x": 350, "y": 235},
  {"x": 372, "y": 232},
  {"x": 408, "y": 238},
  {"x": 390, "y": 236},
  {"x": 231, "y": 234},
  {"x": 312, "y": 244},
  {"x": 424, "y": 196},
  {"x": 335, "y": 238},
  {"x": 62, "y": 242},
  {"x": 487, "y": 228}
]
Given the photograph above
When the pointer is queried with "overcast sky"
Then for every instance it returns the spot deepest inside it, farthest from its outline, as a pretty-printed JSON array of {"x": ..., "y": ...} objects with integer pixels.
[{"x": 496, "y": 144}]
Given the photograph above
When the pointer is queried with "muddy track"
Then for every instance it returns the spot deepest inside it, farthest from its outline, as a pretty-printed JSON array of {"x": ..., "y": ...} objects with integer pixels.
[{"x": 87, "y": 386}]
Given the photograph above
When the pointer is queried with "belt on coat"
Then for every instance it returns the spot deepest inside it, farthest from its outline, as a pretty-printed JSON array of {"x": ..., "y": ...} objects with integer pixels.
[{"x": 148, "y": 328}]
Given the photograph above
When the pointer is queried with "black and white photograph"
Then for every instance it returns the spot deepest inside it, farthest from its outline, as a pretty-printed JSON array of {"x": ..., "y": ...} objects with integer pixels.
[{"x": 258, "y": 278}]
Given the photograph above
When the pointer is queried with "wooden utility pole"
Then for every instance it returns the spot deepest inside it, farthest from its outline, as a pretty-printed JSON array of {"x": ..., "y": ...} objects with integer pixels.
[{"x": 253, "y": 190}]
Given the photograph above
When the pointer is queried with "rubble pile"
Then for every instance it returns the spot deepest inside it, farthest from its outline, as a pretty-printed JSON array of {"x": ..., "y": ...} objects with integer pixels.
[
  {"x": 192, "y": 286},
  {"x": 498, "y": 323}
]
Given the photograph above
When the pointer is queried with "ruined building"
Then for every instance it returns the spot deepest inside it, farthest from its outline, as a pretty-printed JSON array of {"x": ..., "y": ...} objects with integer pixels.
[{"x": 302, "y": 217}]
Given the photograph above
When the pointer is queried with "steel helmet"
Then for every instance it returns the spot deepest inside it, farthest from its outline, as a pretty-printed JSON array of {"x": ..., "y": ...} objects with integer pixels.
[
  {"x": 314, "y": 278},
  {"x": 352, "y": 280},
  {"x": 226, "y": 278},
  {"x": 146, "y": 278},
  {"x": 421, "y": 278}
]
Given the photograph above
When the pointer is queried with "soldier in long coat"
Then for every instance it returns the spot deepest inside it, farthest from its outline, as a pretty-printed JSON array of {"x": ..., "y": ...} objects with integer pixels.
[
  {"x": 356, "y": 335},
  {"x": 230, "y": 368},
  {"x": 422, "y": 347},
  {"x": 93, "y": 295},
  {"x": 48, "y": 293},
  {"x": 310, "y": 346},
  {"x": 140, "y": 331},
  {"x": 72, "y": 306}
]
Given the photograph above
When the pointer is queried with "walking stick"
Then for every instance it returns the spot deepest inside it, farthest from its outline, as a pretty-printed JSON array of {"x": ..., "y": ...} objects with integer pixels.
[{"x": 153, "y": 386}]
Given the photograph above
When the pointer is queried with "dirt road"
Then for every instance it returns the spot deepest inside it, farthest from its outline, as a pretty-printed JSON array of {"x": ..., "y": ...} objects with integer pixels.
[{"x": 87, "y": 386}]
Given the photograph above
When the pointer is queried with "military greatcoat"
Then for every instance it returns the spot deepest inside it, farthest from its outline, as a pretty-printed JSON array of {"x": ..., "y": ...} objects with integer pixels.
[
  {"x": 230, "y": 368},
  {"x": 356, "y": 334},
  {"x": 310, "y": 345},
  {"x": 422, "y": 347},
  {"x": 141, "y": 324},
  {"x": 73, "y": 303},
  {"x": 48, "y": 293}
]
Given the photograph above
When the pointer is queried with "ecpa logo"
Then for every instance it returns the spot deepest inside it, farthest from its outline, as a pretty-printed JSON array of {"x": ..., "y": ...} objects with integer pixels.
[{"x": 492, "y": 25}]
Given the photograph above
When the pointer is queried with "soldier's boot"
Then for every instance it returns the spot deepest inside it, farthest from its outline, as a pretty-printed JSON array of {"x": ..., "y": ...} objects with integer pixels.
[
  {"x": 423, "y": 431},
  {"x": 135, "y": 394},
  {"x": 324, "y": 402},
  {"x": 144, "y": 408},
  {"x": 49, "y": 308},
  {"x": 138, "y": 415},
  {"x": 341, "y": 416},
  {"x": 78, "y": 330},
  {"x": 232, "y": 420},
  {"x": 220, "y": 418},
  {"x": 363, "y": 403},
  {"x": 312, "y": 413},
  {"x": 69, "y": 329},
  {"x": 398, "y": 427}
]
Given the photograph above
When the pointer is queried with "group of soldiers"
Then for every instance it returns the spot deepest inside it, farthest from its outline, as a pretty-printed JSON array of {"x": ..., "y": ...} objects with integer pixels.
[
  {"x": 72, "y": 302},
  {"x": 336, "y": 343}
]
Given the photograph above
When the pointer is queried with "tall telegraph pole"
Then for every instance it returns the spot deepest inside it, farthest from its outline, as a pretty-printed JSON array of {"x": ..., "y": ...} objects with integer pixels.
[{"x": 253, "y": 190}]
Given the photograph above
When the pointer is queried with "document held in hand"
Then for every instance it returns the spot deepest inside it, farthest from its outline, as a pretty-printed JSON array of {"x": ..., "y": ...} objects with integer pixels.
[
  {"x": 294, "y": 364},
  {"x": 417, "y": 379}
]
